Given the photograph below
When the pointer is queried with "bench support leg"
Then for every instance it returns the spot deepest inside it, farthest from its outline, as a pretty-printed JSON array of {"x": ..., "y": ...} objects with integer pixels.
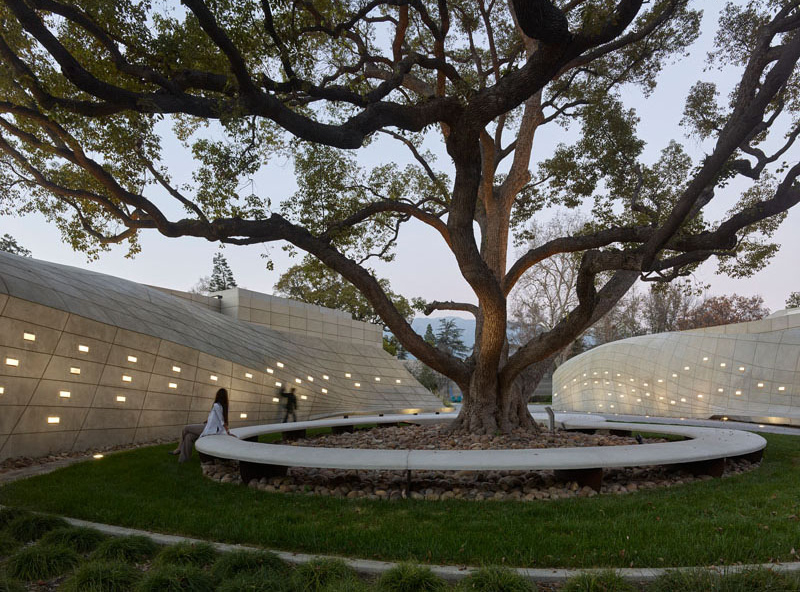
[
  {"x": 714, "y": 467},
  {"x": 753, "y": 457},
  {"x": 250, "y": 471},
  {"x": 343, "y": 429},
  {"x": 293, "y": 434},
  {"x": 591, "y": 477}
]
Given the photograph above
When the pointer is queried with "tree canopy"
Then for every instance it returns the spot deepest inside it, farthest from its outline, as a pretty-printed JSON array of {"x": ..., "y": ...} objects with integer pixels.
[{"x": 91, "y": 90}]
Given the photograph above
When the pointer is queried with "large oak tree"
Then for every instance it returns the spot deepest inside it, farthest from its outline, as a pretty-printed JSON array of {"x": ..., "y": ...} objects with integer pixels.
[{"x": 89, "y": 89}]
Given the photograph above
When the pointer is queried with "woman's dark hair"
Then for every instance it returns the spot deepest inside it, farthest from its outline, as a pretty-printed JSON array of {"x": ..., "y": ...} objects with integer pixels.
[{"x": 222, "y": 399}]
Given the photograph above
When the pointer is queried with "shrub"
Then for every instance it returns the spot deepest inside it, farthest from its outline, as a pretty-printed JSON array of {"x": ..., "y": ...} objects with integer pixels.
[
  {"x": 407, "y": 577},
  {"x": 41, "y": 562},
  {"x": 258, "y": 581},
  {"x": 495, "y": 579},
  {"x": 176, "y": 578},
  {"x": 131, "y": 549},
  {"x": 754, "y": 580},
  {"x": 604, "y": 581},
  {"x": 318, "y": 574},
  {"x": 196, "y": 554},
  {"x": 31, "y": 527},
  {"x": 8, "y": 544},
  {"x": 7, "y": 515},
  {"x": 102, "y": 576},
  {"x": 82, "y": 539},
  {"x": 231, "y": 564}
]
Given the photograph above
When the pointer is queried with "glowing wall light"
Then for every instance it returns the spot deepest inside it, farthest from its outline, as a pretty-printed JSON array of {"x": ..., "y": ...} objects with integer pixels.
[
  {"x": 348, "y": 375},
  {"x": 176, "y": 369},
  {"x": 29, "y": 336},
  {"x": 357, "y": 384},
  {"x": 270, "y": 371},
  {"x": 133, "y": 359},
  {"x": 248, "y": 375},
  {"x": 397, "y": 381},
  {"x": 326, "y": 377},
  {"x": 310, "y": 378},
  {"x": 303, "y": 397},
  {"x": 214, "y": 378},
  {"x": 84, "y": 349},
  {"x": 12, "y": 362},
  {"x": 74, "y": 370},
  {"x": 324, "y": 391},
  {"x": 243, "y": 416},
  {"x": 298, "y": 381},
  {"x": 279, "y": 364},
  {"x": 173, "y": 385},
  {"x": 2, "y": 390},
  {"x": 64, "y": 394},
  {"x": 53, "y": 419},
  {"x": 127, "y": 378},
  {"x": 275, "y": 400},
  {"x": 97, "y": 456},
  {"x": 278, "y": 383},
  {"x": 121, "y": 398}
]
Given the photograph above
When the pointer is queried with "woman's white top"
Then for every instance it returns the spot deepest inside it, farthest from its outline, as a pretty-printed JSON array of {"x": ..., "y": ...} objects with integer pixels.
[{"x": 215, "y": 423}]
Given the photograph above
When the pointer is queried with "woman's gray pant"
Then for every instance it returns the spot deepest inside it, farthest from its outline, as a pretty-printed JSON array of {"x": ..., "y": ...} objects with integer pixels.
[{"x": 189, "y": 436}]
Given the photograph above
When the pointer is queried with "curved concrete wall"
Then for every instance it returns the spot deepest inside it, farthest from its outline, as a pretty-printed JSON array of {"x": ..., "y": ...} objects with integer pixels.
[
  {"x": 746, "y": 370},
  {"x": 89, "y": 360}
]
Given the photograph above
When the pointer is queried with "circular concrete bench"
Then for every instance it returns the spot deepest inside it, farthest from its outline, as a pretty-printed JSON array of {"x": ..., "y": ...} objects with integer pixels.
[{"x": 703, "y": 452}]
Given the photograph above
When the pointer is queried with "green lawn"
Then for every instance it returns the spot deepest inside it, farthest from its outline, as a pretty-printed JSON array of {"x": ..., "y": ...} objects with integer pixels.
[{"x": 749, "y": 518}]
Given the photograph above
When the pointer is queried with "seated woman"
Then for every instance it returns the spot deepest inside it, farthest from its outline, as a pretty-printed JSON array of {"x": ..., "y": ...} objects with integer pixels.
[{"x": 217, "y": 423}]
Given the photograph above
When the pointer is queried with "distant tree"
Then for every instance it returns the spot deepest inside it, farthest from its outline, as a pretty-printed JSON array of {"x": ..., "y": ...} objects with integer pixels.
[
  {"x": 202, "y": 286},
  {"x": 313, "y": 282},
  {"x": 793, "y": 301},
  {"x": 621, "y": 322},
  {"x": 448, "y": 338},
  {"x": 665, "y": 304},
  {"x": 430, "y": 337},
  {"x": 394, "y": 347},
  {"x": 724, "y": 310},
  {"x": 221, "y": 275},
  {"x": 10, "y": 245}
]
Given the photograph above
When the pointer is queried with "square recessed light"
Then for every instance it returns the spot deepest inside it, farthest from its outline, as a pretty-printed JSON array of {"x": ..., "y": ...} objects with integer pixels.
[
  {"x": 357, "y": 384},
  {"x": 310, "y": 378},
  {"x": 325, "y": 377},
  {"x": 398, "y": 382},
  {"x": 2, "y": 390},
  {"x": 378, "y": 379},
  {"x": 347, "y": 375},
  {"x": 298, "y": 381},
  {"x": 303, "y": 397}
]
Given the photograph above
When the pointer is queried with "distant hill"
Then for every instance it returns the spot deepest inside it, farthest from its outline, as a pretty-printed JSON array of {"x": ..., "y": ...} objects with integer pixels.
[{"x": 420, "y": 324}]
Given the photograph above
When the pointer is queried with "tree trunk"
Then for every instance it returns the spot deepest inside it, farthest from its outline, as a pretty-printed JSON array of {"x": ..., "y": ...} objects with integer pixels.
[{"x": 490, "y": 409}]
